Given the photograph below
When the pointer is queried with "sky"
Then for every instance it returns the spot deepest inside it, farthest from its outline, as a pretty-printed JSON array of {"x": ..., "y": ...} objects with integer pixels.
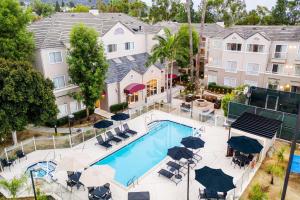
[{"x": 251, "y": 4}]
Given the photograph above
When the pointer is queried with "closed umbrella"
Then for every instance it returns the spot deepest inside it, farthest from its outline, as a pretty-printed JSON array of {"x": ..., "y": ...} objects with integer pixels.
[
  {"x": 214, "y": 179},
  {"x": 97, "y": 175},
  {"x": 120, "y": 117},
  {"x": 245, "y": 144},
  {"x": 178, "y": 153},
  {"x": 192, "y": 142}
]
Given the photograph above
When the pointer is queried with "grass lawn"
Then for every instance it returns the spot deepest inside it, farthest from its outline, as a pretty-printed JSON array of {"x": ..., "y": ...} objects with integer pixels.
[{"x": 264, "y": 179}]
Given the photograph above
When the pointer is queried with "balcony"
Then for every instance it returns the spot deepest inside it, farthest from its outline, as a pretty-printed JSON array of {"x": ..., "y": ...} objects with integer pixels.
[{"x": 279, "y": 57}]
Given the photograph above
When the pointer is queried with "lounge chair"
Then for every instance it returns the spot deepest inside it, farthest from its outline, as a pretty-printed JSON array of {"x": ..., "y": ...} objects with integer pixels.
[
  {"x": 120, "y": 133},
  {"x": 111, "y": 137},
  {"x": 20, "y": 154},
  {"x": 71, "y": 184},
  {"x": 128, "y": 130},
  {"x": 185, "y": 107},
  {"x": 169, "y": 175},
  {"x": 176, "y": 166},
  {"x": 6, "y": 163},
  {"x": 102, "y": 142}
]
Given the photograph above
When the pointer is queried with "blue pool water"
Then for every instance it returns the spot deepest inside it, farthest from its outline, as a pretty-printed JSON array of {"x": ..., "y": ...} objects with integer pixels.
[
  {"x": 296, "y": 164},
  {"x": 42, "y": 169},
  {"x": 140, "y": 156}
]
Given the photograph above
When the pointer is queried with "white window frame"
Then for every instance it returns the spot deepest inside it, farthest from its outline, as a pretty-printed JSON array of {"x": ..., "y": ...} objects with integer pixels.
[
  {"x": 249, "y": 72},
  {"x": 76, "y": 106},
  {"x": 279, "y": 72},
  {"x": 54, "y": 57},
  {"x": 280, "y": 52},
  {"x": 116, "y": 48},
  {"x": 65, "y": 84},
  {"x": 248, "y": 46},
  {"x": 250, "y": 83},
  {"x": 209, "y": 77},
  {"x": 226, "y": 47},
  {"x": 216, "y": 62},
  {"x": 295, "y": 66},
  {"x": 231, "y": 79},
  {"x": 131, "y": 46},
  {"x": 298, "y": 54},
  {"x": 60, "y": 114},
  {"x": 226, "y": 66}
]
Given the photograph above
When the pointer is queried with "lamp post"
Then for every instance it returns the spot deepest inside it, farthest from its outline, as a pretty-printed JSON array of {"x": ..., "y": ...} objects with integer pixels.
[
  {"x": 188, "y": 181},
  {"x": 70, "y": 117},
  {"x": 33, "y": 186}
]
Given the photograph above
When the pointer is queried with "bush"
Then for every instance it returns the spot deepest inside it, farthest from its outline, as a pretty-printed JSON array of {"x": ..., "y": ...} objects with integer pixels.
[
  {"x": 225, "y": 102},
  {"x": 213, "y": 87},
  {"x": 117, "y": 107},
  {"x": 257, "y": 193}
]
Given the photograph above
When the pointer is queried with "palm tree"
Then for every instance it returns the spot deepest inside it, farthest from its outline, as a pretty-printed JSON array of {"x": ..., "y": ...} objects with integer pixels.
[
  {"x": 13, "y": 185},
  {"x": 188, "y": 8},
  {"x": 167, "y": 51},
  {"x": 198, "y": 57}
]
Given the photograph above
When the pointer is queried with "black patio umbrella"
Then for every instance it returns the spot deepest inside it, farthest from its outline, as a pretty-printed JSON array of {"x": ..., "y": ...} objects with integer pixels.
[
  {"x": 245, "y": 144},
  {"x": 192, "y": 142},
  {"x": 180, "y": 152},
  {"x": 214, "y": 179},
  {"x": 120, "y": 117},
  {"x": 103, "y": 124}
]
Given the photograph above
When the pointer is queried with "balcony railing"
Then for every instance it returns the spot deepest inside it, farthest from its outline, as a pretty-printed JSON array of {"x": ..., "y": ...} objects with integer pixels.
[{"x": 280, "y": 55}]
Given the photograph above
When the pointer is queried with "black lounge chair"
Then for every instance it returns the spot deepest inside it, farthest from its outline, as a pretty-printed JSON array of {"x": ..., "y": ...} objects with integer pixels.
[
  {"x": 6, "y": 163},
  {"x": 111, "y": 137},
  {"x": 169, "y": 175},
  {"x": 20, "y": 154},
  {"x": 176, "y": 166},
  {"x": 120, "y": 133},
  {"x": 102, "y": 142},
  {"x": 128, "y": 130}
]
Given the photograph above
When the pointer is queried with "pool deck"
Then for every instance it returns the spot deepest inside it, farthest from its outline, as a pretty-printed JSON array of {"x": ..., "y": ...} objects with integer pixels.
[{"x": 160, "y": 188}]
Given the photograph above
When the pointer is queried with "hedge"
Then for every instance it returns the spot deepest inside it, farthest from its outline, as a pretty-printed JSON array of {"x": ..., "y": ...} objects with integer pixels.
[
  {"x": 117, "y": 107},
  {"x": 219, "y": 88},
  {"x": 64, "y": 120}
]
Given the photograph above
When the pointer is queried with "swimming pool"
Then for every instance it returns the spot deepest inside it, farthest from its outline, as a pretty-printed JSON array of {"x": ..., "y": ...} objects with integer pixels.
[
  {"x": 43, "y": 169},
  {"x": 296, "y": 164},
  {"x": 138, "y": 157}
]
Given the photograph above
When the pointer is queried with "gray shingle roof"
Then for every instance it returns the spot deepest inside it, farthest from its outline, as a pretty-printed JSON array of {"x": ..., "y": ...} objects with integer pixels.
[
  {"x": 54, "y": 31},
  {"x": 117, "y": 71}
]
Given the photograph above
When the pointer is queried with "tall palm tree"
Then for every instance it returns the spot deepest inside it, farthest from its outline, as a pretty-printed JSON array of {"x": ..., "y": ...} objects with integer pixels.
[
  {"x": 198, "y": 57},
  {"x": 167, "y": 50},
  {"x": 188, "y": 9}
]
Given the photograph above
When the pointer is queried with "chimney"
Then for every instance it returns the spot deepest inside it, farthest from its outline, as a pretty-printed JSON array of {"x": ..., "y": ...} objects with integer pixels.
[
  {"x": 94, "y": 12},
  {"x": 221, "y": 24}
]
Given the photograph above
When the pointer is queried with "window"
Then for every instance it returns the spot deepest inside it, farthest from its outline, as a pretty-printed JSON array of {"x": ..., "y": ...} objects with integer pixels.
[
  {"x": 255, "y": 48},
  {"x": 277, "y": 68},
  {"x": 297, "y": 70},
  {"x": 280, "y": 51},
  {"x": 63, "y": 110},
  {"x": 298, "y": 54},
  {"x": 129, "y": 45},
  {"x": 59, "y": 82},
  {"x": 216, "y": 61},
  {"x": 55, "y": 57},
  {"x": 231, "y": 66},
  {"x": 151, "y": 87},
  {"x": 273, "y": 84},
  {"x": 211, "y": 79},
  {"x": 229, "y": 81},
  {"x": 74, "y": 107},
  {"x": 217, "y": 44},
  {"x": 131, "y": 98},
  {"x": 234, "y": 46},
  {"x": 252, "y": 69},
  {"x": 82, "y": 105},
  {"x": 111, "y": 48},
  {"x": 250, "y": 83},
  {"x": 295, "y": 89}
]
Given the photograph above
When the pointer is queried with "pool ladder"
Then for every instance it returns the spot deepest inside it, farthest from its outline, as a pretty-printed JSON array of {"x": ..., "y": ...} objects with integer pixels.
[{"x": 133, "y": 181}]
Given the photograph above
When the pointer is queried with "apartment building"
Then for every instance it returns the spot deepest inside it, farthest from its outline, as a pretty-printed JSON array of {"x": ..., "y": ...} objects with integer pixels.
[
  {"x": 263, "y": 56},
  {"x": 127, "y": 42}
]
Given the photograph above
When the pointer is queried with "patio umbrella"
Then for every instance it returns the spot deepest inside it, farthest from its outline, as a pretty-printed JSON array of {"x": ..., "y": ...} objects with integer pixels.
[
  {"x": 180, "y": 152},
  {"x": 74, "y": 162},
  {"x": 120, "y": 117},
  {"x": 245, "y": 144},
  {"x": 103, "y": 124},
  {"x": 214, "y": 179},
  {"x": 97, "y": 175},
  {"x": 192, "y": 142}
]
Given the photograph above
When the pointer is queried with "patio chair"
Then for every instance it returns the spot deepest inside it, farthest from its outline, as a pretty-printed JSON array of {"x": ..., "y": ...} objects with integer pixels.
[
  {"x": 71, "y": 184},
  {"x": 128, "y": 130},
  {"x": 111, "y": 137},
  {"x": 201, "y": 194},
  {"x": 6, "y": 163},
  {"x": 185, "y": 107},
  {"x": 169, "y": 175},
  {"x": 20, "y": 154},
  {"x": 176, "y": 166},
  {"x": 222, "y": 196},
  {"x": 102, "y": 142},
  {"x": 120, "y": 133}
]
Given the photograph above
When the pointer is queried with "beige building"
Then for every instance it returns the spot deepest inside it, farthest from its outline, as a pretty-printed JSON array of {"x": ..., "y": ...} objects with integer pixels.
[{"x": 264, "y": 56}]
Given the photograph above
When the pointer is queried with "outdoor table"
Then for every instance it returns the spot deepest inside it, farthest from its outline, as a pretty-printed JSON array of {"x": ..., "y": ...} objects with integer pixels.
[
  {"x": 138, "y": 196},
  {"x": 210, "y": 194},
  {"x": 75, "y": 177},
  {"x": 243, "y": 159},
  {"x": 100, "y": 191}
]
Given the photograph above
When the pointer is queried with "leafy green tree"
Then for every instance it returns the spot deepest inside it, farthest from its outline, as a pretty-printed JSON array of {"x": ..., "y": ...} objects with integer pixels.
[
  {"x": 41, "y": 195},
  {"x": 214, "y": 11},
  {"x": 57, "y": 7},
  {"x": 25, "y": 97},
  {"x": 80, "y": 8},
  {"x": 293, "y": 13},
  {"x": 257, "y": 193},
  {"x": 16, "y": 43},
  {"x": 137, "y": 8},
  {"x": 225, "y": 102},
  {"x": 62, "y": 3},
  {"x": 279, "y": 12},
  {"x": 167, "y": 50},
  {"x": 42, "y": 9},
  {"x": 71, "y": 4},
  {"x": 234, "y": 10},
  {"x": 14, "y": 185},
  {"x": 275, "y": 170},
  {"x": 87, "y": 64},
  {"x": 163, "y": 10}
]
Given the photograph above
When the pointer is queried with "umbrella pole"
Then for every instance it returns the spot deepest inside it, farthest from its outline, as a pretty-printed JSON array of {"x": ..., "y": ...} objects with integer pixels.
[{"x": 188, "y": 182}]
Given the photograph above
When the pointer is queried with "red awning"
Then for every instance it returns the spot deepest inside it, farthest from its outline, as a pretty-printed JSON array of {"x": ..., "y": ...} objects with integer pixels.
[
  {"x": 173, "y": 76},
  {"x": 134, "y": 87}
]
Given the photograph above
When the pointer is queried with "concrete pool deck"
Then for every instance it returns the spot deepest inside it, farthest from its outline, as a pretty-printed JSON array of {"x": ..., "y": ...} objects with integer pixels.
[{"x": 160, "y": 188}]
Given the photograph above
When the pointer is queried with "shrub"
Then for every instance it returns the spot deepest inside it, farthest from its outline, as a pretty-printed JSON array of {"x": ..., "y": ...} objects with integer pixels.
[
  {"x": 257, "y": 193},
  {"x": 219, "y": 88},
  {"x": 14, "y": 185},
  {"x": 117, "y": 107},
  {"x": 225, "y": 102}
]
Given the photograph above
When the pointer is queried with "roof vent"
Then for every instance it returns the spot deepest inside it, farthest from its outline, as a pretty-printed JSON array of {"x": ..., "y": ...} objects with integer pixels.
[
  {"x": 73, "y": 15},
  {"x": 117, "y": 60},
  {"x": 135, "y": 29},
  {"x": 130, "y": 58}
]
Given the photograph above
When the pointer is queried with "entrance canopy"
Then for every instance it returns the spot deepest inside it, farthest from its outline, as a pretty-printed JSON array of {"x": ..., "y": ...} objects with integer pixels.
[
  {"x": 257, "y": 125},
  {"x": 134, "y": 87}
]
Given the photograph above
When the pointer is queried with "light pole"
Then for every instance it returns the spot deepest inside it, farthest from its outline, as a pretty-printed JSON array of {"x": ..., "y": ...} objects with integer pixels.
[
  {"x": 33, "y": 186},
  {"x": 188, "y": 181},
  {"x": 70, "y": 117}
]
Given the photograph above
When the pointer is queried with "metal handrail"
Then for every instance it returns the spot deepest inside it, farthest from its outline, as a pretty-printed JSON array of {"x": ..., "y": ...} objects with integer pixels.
[{"x": 131, "y": 181}]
